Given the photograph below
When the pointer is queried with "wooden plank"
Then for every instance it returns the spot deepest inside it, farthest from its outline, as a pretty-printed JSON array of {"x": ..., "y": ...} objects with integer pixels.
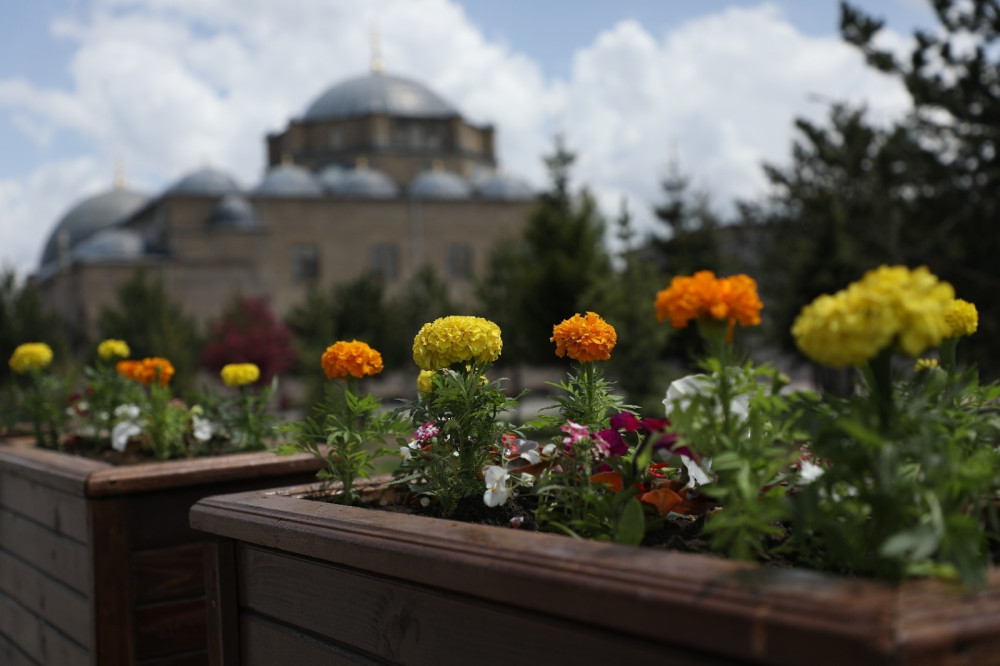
[
  {"x": 221, "y": 603},
  {"x": 50, "y": 468},
  {"x": 110, "y": 593},
  {"x": 146, "y": 477},
  {"x": 267, "y": 643},
  {"x": 766, "y": 613},
  {"x": 166, "y": 629},
  {"x": 408, "y": 624},
  {"x": 166, "y": 574},
  {"x": 62, "y": 512},
  {"x": 12, "y": 655},
  {"x": 38, "y": 639},
  {"x": 64, "y": 559},
  {"x": 61, "y": 606},
  {"x": 188, "y": 659}
]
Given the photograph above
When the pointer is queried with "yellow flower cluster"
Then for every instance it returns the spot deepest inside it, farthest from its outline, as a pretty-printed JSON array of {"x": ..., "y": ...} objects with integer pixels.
[
  {"x": 889, "y": 305},
  {"x": 584, "y": 339},
  {"x": 112, "y": 349},
  {"x": 352, "y": 358},
  {"x": 239, "y": 374},
  {"x": 925, "y": 364},
  {"x": 962, "y": 318},
  {"x": 456, "y": 339},
  {"x": 30, "y": 356},
  {"x": 424, "y": 381}
]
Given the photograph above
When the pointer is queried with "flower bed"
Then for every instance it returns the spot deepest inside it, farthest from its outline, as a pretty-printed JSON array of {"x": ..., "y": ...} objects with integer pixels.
[{"x": 308, "y": 582}]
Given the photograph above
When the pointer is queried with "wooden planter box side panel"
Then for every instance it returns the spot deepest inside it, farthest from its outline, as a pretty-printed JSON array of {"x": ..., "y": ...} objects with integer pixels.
[
  {"x": 399, "y": 622},
  {"x": 364, "y": 580},
  {"x": 44, "y": 578},
  {"x": 98, "y": 564}
]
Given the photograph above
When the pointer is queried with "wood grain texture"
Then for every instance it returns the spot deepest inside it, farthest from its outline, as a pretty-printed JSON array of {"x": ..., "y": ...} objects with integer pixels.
[
  {"x": 222, "y": 603},
  {"x": 112, "y": 619},
  {"x": 168, "y": 574},
  {"x": 50, "y": 468},
  {"x": 59, "y": 557},
  {"x": 736, "y": 610},
  {"x": 62, "y": 512},
  {"x": 267, "y": 643},
  {"x": 402, "y": 623},
  {"x": 11, "y": 654},
  {"x": 38, "y": 639},
  {"x": 64, "y": 608},
  {"x": 169, "y": 628}
]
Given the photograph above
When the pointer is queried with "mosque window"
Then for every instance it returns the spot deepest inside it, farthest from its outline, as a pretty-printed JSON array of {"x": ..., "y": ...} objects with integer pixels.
[
  {"x": 305, "y": 262},
  {"x": 385, "y": 260},
  {"x": 459, "y": 260}
]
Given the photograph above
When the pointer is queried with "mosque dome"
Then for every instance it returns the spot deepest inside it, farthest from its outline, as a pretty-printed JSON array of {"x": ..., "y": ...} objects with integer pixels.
[
  {"x": 379, "y": 93},
  {"x": 439, "y": 184},
  {"x": 504, "y": 186},
  {"x": 90, "y": 216},
  {"x": 289, "y": 180},
  {"x": 111, "y": 243},
  {"x": 366, "y": 182},
  {"x": 206, "y": 181},
  {"x": 234, "y": 211},
  {"x": 331, "y": 176}
]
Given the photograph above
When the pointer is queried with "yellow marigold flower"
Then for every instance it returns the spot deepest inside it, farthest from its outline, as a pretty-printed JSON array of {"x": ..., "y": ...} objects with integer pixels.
[
  {"x": 352, "y": 358},
  {"x": 962, "y": 318},
  {"x": 925, "y": 364},
  {"x": 456, "y": 339},
  {"x": 731, "y": 299},
  {"x": 889, "y": 305},
  {"x": 30, "y": 356},
  {"x": 239, "y": 374},
  {"x": 111, "y": 349},
  {"x": 147, "y": 371},
  {"x": 424, "y": 381},
  {"x": 584, "y": 339}
]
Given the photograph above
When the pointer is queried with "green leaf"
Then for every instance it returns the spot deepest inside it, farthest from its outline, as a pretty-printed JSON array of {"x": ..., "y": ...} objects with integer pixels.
[
  {"x": 632, "y": 524},
  {"x": 287, "y": 450}
]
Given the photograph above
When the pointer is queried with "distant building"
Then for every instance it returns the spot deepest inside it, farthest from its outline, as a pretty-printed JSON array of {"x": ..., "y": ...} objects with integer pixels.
[{"x": 379, "y": 174}]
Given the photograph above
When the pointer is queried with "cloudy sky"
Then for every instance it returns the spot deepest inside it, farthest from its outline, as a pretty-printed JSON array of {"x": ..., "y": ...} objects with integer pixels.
[{"x": 165, "y": 86}]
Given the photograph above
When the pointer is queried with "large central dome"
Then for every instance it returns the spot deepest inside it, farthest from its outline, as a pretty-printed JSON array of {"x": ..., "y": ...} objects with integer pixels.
[{"x": 379, "y": 93}]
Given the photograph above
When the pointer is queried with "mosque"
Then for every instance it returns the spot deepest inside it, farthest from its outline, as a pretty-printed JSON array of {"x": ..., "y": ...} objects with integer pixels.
[{"x": 378, "y": 174}]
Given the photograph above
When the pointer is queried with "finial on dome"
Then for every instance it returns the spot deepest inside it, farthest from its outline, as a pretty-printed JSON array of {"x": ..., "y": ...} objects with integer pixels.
[
  {"x": 119, "y": 174},
  {"x": 377, "y": 64}
]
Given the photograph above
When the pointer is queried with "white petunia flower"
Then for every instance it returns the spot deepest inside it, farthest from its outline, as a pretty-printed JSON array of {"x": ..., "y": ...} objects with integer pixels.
[
  {"x": 405, "y": 453},
  {"x": 531, "y": 456},
  {"x": 496, "y": 486},
  {"x": 527, "y": 480},
  {"x": 122, "y": 432},
  {"x": 680, "y": 391},
  {"x": 202, "y": 428},
  {"x": 810, "y": 472}
]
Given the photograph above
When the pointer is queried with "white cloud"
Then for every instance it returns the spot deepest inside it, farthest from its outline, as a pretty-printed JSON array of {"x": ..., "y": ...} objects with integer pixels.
[{"x": 164, "y": 85}]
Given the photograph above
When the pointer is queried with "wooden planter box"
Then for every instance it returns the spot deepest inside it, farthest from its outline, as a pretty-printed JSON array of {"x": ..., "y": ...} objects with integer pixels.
[
  {"x": 297, "y": 581},
  {"x": 98, "y": 564}
]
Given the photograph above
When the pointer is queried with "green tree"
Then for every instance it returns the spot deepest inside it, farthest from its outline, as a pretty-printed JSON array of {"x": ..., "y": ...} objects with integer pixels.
[
  {"x": 626, "y": 302},
  {"x": 534, "y": 282},
  {"x": 153, "y": 325},
  {"x": 953, "y": 75},
  {"x": 691, "y": 242}
]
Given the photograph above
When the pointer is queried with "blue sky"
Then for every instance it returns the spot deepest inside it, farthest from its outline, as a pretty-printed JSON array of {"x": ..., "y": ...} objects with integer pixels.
[{"x": 164, "y": 86}]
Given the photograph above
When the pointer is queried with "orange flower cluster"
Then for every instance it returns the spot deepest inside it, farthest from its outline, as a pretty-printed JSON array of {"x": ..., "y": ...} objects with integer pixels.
[
  {"x": 666, "y": 497},
  {"x": 584, "y": 339},
  {"x": 704, "y": 296},
  {"x": 147, "y": 371},
  {"x": 352, "y": 358}
]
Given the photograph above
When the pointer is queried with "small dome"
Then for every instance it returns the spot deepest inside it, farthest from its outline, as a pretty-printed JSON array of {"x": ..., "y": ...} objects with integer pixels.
[
  {"x": 110, "y": 244},
  {"x": 90, "y": 216},
  {"x": 365, "y": 182},
  {"x": 206, "y": 182},
  {"x": 289, "y": 180},
  {"x": 504, "y": 186},
  {"x": 234, "y": 211},
  {"x": 439, "y": 184},
  {"x": 379, "y": 93},
  {"x": 331, "y": 176}
]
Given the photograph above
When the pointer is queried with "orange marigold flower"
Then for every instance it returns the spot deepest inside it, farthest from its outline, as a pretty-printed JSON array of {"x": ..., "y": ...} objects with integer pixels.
[
  {"x": 704, "y": 296},
  {"x": 613, "y": 480},
  {"x": 584, "y": 339},
  {"x": 664, "y": 499},
  {"x": 147, "y": 371},
  {"x": 352, "y": 358}
]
